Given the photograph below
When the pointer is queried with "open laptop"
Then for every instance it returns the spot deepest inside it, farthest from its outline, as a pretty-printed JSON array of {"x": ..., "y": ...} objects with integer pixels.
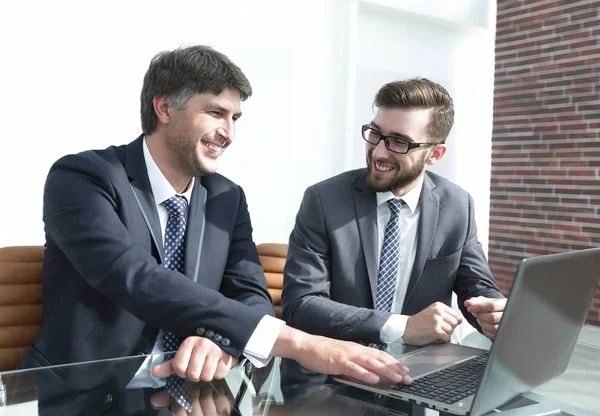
[{"x": 546, "y": 309}]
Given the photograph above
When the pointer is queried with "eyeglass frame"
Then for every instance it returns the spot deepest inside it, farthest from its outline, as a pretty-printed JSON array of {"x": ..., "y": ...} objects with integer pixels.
[{"x": 411, "y": 145}]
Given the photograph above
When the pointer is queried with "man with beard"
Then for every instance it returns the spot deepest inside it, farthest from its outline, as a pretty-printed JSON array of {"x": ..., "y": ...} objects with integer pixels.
[
  {"x": 376, "y": 253},
  {"x": 149, "y": 250}
]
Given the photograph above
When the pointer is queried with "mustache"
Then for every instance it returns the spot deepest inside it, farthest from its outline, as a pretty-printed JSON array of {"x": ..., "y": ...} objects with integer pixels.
[{"x": 215, "y": 138}]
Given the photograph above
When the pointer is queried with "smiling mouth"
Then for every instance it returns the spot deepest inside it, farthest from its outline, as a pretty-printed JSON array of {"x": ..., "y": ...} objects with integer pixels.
[
  {"x": 214, "y": 147},
  {"x": 381, "y": 168}
]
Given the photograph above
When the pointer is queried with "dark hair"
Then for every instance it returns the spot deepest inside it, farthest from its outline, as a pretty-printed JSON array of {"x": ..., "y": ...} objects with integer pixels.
[
  {"x": 420, "y": 93},
  {"x": 181, "y": 73}
]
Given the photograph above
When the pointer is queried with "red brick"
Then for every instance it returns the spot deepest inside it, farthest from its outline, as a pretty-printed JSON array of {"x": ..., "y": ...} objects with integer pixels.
[
  {"x": 586, "y": 15},
  {"x": 576, "y": 35},
  {"x": 571, "y": 127},
  {"x": 584, "y": 43},
  {"x": 588, "y": 229},
  {"x": 587, "y": 220},
  {"x": 569, "y": 117},
  {"x": 586, "y": 172},
  {"x": 591, "y": 24}
]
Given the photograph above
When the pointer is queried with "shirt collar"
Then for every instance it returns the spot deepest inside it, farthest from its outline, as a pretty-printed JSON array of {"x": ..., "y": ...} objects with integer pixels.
[
  {"x": 411, "y": 198},
  {"x": 161, "y": 188}
]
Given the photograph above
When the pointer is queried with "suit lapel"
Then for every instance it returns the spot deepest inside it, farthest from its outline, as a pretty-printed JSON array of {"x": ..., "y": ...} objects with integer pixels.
[
  {"x": 430, "y": 205},
  {"x": 366, "y": 212},
  {"x": 194, "y": 233},
  {"x": 140, "y": 184}
]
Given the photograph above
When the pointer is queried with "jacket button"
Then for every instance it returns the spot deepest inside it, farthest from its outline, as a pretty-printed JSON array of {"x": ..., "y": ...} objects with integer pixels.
[
  {"x": 217, "y": 337},
  {"x": 200, "y": 331},
  {"x": 225, "y": 342},
  {"x": 108, "y": 398},
  {"x": 209, "y": 333}
]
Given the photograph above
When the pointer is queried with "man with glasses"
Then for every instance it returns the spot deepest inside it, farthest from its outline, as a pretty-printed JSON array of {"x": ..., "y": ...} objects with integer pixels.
[{"x": 376, "y": 253}]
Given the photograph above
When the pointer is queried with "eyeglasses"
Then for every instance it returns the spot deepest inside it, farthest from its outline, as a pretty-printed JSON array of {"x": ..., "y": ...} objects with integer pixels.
[{"x": 392, "y": 143}]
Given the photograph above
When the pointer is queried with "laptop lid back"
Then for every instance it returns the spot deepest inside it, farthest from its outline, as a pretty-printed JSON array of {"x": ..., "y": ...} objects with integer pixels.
[{"x": 546, "y": 309}]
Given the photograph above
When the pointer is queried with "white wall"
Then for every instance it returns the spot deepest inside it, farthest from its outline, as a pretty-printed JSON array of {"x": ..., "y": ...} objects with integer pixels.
[
  {"x": 451, "y": 43},
  {"x": 71, "y": 74}
]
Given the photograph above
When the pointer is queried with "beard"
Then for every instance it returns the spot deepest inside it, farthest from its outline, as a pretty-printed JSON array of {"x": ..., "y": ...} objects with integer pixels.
[
  {"x": 401, "y": 179},
  {"x": 186, "y": 146}
]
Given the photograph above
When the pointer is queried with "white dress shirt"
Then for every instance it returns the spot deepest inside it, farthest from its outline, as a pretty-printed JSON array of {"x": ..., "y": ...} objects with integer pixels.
[
  {"x": 393, "y": 330},
  {"x": 260, "y": 344}
]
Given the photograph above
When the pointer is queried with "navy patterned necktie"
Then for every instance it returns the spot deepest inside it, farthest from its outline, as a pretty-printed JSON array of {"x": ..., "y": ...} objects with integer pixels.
[
  {"x": 388, "y": 263},
  {"x": 173, "y": 255}
]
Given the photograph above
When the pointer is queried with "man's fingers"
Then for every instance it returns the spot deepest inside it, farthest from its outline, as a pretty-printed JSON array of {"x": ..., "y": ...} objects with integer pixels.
[
  {"x": 451, "y": 321},
  {"x": 448, "y": 314},
  {"x": 223, "y": 367},
  {"x": 197, "y": 409},
  {"x": 489, "y": 327},
  {"x": 381, "y": 369},
  {"x": 222, "y": 404},
  {"x": 161, "y": 400},
  {"x": 489, "y": 334},
  {"x": 444, "y": 337},
  {"x": 444, "y": 328},
  {"x": 164, "y": 369},
  {"x": 389, "y": 360},
  {"x": 177, "y": 410},
  {"x": 492, "y": 318},
  {"x": 181, "y": 361},
  {"x": 207, "y": 402},
  {"x": 210, "y": 366},
  {"x": 356, "y": 371},
  {"x": 452, "y": 318},
  {"x": 384, "y": 365},
  {"x": 196, "y": 364},
  {"x": 481, "y": 304}
]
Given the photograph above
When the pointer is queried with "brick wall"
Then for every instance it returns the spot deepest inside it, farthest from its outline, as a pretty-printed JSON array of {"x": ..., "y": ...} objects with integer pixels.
[{"x": 545, "y": 187}]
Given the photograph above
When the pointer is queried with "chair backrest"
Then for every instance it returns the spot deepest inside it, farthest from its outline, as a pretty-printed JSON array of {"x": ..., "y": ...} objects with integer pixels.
[
  {"x": 272, "y": 257},
  {"x": 20, "y": 301},
  {"x": 21, "y": 295}
]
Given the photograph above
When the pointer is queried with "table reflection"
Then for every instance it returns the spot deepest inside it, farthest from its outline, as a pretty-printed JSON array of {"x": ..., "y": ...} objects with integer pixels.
[{"x": 283, "y": 387}]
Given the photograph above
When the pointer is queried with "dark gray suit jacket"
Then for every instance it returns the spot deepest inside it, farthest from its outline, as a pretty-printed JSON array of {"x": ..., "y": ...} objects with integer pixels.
[
  {"x": 330, "y": 277},
  {"x": 105, "y": 293}
]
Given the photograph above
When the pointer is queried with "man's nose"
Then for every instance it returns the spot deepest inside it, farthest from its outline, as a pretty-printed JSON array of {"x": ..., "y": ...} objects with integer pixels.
[
  {"x": 380, "y": 150},
  {"x": 227, "y": 130}
]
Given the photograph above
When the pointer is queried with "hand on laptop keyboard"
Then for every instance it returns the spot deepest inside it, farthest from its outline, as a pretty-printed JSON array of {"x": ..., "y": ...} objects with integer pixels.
[{"x": 335, "y": 357}]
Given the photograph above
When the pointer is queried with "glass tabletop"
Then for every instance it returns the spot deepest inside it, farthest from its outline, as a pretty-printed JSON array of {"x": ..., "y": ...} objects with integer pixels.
[{"x": 282, "y": 387}]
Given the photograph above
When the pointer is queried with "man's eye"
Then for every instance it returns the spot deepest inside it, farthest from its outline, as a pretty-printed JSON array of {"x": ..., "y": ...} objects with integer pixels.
[{"x": 398, "y": 142}]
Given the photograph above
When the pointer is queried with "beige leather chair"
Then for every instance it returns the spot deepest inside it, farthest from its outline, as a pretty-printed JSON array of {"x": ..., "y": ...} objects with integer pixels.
[
  {"x": 20, "y": 301},
  {"x": 272, "y": 257},
  {"x": 21, "y": 295}
]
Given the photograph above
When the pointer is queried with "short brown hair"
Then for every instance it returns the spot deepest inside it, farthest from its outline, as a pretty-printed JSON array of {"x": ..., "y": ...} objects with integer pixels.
[
  {"x": 420, "y": 93},
  {"x": 181, "y": 73}
]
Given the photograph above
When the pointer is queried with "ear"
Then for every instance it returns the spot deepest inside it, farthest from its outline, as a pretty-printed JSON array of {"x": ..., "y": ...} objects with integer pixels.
[
  {"x": 436, "y": 154},
  {"x": 163, "y": 109}
]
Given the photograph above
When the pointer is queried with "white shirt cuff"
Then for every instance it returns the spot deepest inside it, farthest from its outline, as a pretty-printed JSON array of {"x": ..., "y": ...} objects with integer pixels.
[
  {"x": 394, "y": 328},
  {"x": 261, "y": 342}
]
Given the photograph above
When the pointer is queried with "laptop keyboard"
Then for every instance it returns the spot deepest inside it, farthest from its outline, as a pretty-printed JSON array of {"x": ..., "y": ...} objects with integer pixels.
[{"x": 449, "y": 385}]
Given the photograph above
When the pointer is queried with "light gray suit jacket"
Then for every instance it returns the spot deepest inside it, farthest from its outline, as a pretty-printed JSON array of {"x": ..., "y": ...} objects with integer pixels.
[{"x": 330, "y": 277}]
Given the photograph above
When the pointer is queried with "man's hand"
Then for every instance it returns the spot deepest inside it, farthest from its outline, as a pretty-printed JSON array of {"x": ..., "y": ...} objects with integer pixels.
[
  {"x": 434, "y": 323},
  {"x": 204, "y": 400},
  {"x": 330, "y": 356},
  {"x": 488, "y": 312},
  {"x": 197, "y": 359}
]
